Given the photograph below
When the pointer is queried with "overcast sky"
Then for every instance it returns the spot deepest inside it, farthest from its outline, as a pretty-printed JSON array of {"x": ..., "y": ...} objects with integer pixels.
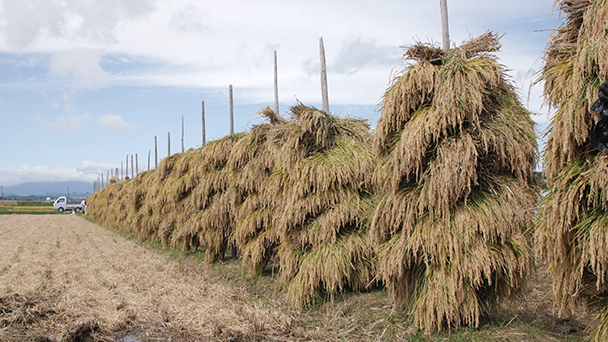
[{"x": 83, "y": 84}]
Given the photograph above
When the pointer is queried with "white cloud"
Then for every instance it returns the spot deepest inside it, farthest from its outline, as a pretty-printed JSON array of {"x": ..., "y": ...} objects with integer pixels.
[
  {"x": 67, "y": 123},
  {"x": 188, "y": 18},
  {"x": 114, "y": 123},
  {"x": 82, "y": 66},
  {"x": 364, "y": 53},
  {"x": 87, "y": 172},
  {"x": 27, "y": 22},
  {"x": 92, "y": 168}
]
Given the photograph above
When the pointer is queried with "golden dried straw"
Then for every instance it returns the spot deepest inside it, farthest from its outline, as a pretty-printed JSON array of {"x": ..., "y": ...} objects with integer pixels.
[
  {"x": 295, "y": 191},
  {"x": 570, "y": 228},
  {"x": 458, "y": 153}
]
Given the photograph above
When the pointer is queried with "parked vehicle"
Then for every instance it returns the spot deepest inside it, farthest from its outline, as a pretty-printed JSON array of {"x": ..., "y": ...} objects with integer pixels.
[{"x": 61, "y": 204}]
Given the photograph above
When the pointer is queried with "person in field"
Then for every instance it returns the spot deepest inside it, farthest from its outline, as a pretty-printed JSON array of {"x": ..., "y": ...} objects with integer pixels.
[{"x": 599, "y": 135}]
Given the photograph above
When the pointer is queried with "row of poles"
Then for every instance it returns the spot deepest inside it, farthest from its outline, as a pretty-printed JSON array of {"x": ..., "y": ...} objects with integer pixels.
[{"x": 124, "y": 173}]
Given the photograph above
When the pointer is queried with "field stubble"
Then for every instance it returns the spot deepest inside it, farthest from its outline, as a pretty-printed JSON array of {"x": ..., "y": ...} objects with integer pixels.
[{"x": 63, "y": 278}]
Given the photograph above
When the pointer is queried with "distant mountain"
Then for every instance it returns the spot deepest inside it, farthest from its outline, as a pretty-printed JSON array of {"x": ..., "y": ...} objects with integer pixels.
[{"x": 51, "y": 189}]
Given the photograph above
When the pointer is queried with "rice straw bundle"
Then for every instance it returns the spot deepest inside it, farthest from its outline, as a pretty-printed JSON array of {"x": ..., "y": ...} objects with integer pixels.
[
  {"x": 306, "y": 183},
  {"x": 571, "y": 226},
  {"x": 457, "y": 155}
]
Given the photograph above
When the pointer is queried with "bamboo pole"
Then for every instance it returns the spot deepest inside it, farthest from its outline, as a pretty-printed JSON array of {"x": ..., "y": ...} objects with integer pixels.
[
  {"x": 203, "y": 117},
  {"x": 183, "y": 134},
  {"x": 155, "y": 153},
  {"x": 445, "y": 27},
  {"x": 231, "y": 110},
  {"x": 276, "y": 84},
  {"x": 324, "y": 93}
]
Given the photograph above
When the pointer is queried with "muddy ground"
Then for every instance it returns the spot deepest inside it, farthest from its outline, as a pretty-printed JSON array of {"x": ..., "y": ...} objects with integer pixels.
[{"x": 63, "y": 278}]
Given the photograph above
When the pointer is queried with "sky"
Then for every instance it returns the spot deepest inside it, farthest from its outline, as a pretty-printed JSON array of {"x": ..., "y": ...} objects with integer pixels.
[{"x": 84, "y": 84}]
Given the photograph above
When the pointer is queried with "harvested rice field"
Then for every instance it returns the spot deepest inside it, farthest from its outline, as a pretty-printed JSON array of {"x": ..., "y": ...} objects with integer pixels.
[{"x": 63, "y": 278}]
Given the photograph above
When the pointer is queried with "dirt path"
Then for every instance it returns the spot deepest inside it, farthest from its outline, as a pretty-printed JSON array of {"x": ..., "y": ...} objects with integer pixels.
[{"x": 63, "y": 278}]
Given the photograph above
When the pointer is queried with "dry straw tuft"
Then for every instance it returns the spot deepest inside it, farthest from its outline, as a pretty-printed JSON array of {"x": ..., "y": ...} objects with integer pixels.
[
  {"x": 458, "y": 152},
  {"x": 571, "y": 224}
]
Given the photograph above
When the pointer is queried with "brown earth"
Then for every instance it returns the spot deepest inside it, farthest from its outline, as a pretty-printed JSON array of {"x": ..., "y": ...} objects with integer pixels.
[{"x": 63, "y": 278}]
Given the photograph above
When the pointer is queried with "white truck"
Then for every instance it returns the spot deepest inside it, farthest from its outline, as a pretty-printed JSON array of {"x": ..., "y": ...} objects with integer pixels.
[{"x": 61, "y": 204}]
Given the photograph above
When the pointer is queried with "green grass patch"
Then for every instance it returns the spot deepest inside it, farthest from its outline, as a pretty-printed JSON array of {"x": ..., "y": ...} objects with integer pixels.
[{"x": 26, "y": 207}]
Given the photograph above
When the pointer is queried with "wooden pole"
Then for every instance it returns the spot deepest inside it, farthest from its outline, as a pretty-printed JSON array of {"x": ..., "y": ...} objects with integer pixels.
[
  {"x": 149, "y": 153},
  {"x": 445, "y": 27},
  {"x": 155, "y": 153},
  {"x": 168, "y": 144},
  {"x": 116, "y": 174},
  {"x": 324, "y": 94},
  {"x": 203, "y": 116},
  {"x": 276, "y": 84},
  {"x": 132, "y": 168},
  {"x": 136, "y": 165},
  {"x": 127, "y": 167},
  {"x": 231, "y": 110},
  {"x": 183, "y": 134}
]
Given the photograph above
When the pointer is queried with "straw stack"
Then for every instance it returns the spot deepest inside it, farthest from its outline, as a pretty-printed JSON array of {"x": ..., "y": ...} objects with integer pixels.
[
  {"x": 457, "y": 153},
  {"x": 571, "y": 226}
]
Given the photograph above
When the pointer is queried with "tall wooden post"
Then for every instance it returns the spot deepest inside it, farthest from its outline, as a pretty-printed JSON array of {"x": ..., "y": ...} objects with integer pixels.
[
  {"x": 183, "y": 134},
  {"x": 203, "y": 116},
  {"x": 155, "y": 153},
  {"x": 231, "y": 110},
  {"x": 324, "y": 93},
  {"x": 116, "y": 174},
  {"x": 276, "y": 84},
  {"x": 168, "y": 144},
  {"x": 445, "y": 28},
  {"x": 127, "y": 167},
  {"x": 149, "y": 152},
  {"x": 132, "y": 168},
  {"x": 136, "y": 165}
]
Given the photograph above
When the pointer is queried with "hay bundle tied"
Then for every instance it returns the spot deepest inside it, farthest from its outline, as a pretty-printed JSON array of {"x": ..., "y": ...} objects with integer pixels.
[
  {"x": 457, "y": 153},
  {"x": 295, "y": 190},
  {"x": 571, "y": 226},
  {"x": 187, "y": 202},
  {"x": 308, "y": 203}
]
